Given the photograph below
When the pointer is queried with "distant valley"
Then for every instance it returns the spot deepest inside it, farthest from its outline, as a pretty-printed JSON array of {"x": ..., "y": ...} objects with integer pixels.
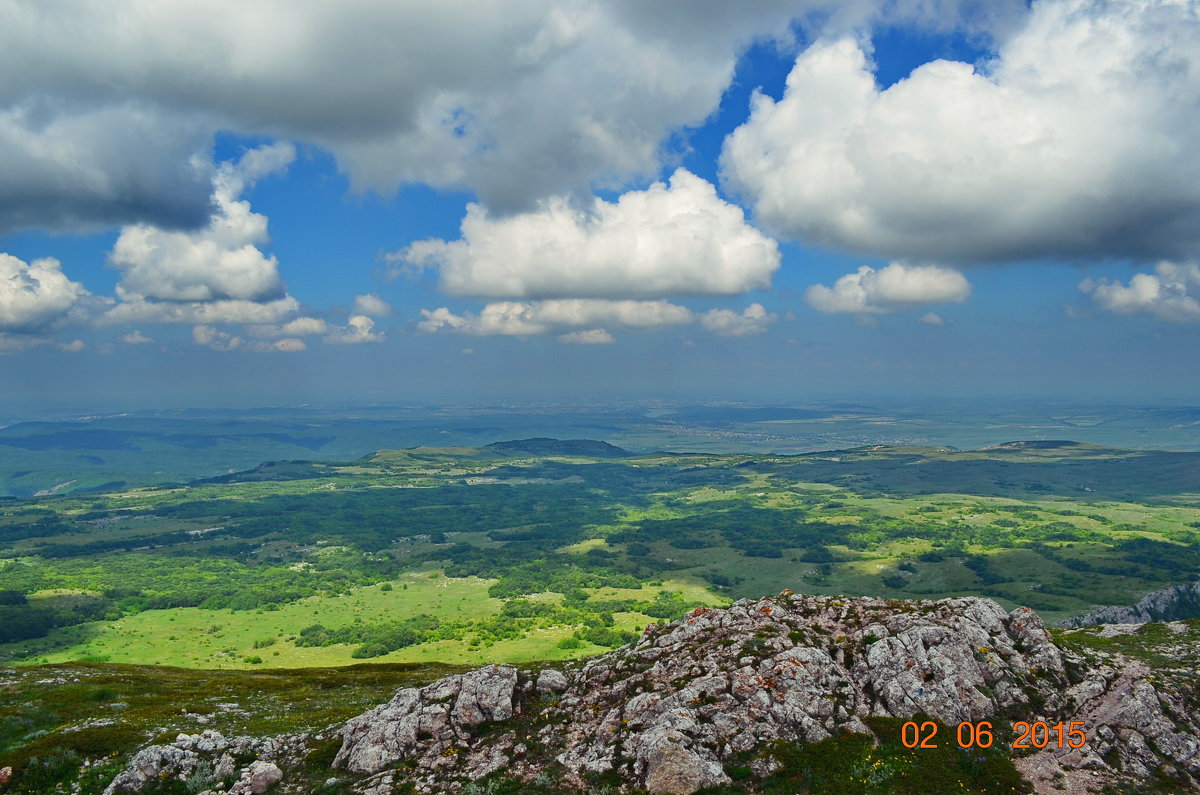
[{"x": 544, "y": 549}]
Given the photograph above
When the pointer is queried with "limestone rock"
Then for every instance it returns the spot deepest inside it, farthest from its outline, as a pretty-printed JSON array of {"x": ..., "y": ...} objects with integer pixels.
[
  {"x": 257, "y": 779},
  {"x": 427, "y": 721},
  {"x": 153, "y": 763},
  {"x": 668, "y": 712},
  {"x": 205, "y": 743},
  {"x": 551, "y": 681}
]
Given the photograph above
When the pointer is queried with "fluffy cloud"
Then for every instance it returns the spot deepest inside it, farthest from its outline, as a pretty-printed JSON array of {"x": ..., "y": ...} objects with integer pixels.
[
  {"x": 931, "y": 319},
  {"x": 219, "y": 262},
  {"x": 516, "y": 100},
  {"x": 371, "y": 304},
  {"x": 753, "y": 320},
  {"x": 136, "y": 337},
  {"x": 894, "y": 287},
  {"x": 359, "y": 328},
  {"x": 108, "y": 117},
  {"x": 1171, "y": 293},
  {"x": 74, "y": 346},
  {"x": 680, "y": 239},
  {"x": 516, "y": 318},
  {"x": 1074, "y": 142},
  {"x": 35, "y": 295},
  {"x": 592, "y": 336},
  {"x": 219, "y": 340}
]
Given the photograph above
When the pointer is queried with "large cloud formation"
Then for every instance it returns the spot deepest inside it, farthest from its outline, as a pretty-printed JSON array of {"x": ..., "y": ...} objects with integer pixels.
[
  {"x": 897, "y": 286},
  {"x": 1073, "y": 143},
  {"x": 35, "y": 296},
  {"x": 107, "y": 110},
  {"x": 680, "y": 239}
]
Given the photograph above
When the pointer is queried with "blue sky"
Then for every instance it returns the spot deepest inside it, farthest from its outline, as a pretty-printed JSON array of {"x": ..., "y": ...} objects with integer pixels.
[{"x": 527, "y": 200}]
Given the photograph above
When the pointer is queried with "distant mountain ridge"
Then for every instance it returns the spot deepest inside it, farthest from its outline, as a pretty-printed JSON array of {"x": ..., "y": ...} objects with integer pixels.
[{"x": 1019, "y": 469}]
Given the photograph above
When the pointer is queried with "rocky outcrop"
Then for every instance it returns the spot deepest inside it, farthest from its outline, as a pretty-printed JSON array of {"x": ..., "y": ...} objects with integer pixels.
[
  {"x": 257, "y": 779},
  {"x": 1170, "y": 604},
  {"x": 440, "y": 716},
  {"x": 153, "y": 765},
  {"x": 670, "y": 712},
  {"x": 210, "y": 759},
  {"x": 716, "y": 695}
]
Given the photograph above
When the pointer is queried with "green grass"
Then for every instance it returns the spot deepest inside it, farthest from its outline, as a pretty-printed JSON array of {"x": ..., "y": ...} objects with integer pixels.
[
  {"x": 183, "y": 636},
  {"x": 224, "y": 639}
]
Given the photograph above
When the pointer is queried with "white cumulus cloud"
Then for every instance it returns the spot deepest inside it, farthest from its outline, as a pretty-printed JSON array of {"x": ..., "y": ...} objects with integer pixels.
[
  {"x": 371, "y": 304},
  {"x": 219, "y": 262},
  {"x": 680, "y": 239},
  {"x": 754, "y": 319},
  {"x": 1171, "y": 292},
  {"x": 35, "y": 295},
  {"x": 520, "y": 318},
  {"x": 1076, "y": 141},
  {"x": 931, "y": 319},
  {"x": 359, "y": 328},
  {"x": 136, "y": 337},
  {"x": 894, "y": 287}
]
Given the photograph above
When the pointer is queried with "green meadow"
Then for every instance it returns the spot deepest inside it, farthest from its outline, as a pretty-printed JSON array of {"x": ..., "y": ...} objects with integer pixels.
[{"x": 190, "y": 637}]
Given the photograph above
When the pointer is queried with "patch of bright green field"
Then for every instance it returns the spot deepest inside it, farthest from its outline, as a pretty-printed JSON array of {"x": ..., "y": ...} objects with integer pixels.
[
  {"x": 195, "y": 638},
  {"x": 191, "y": 637}
]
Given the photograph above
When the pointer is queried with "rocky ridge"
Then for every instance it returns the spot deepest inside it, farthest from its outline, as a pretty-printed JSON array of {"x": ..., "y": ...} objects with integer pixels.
[
  {"x": 1169, "y": 604},
  {"x": 714, "y": 694}
]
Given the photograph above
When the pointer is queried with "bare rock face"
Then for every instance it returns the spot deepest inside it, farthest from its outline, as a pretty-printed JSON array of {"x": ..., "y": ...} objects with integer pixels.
[
  {"x": 669, "y": 711},
  {"x": 431, "y": 723}
]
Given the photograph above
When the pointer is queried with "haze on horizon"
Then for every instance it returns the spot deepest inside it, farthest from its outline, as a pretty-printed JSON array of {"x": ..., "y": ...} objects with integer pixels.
[{"x": 222, "y": 204}]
